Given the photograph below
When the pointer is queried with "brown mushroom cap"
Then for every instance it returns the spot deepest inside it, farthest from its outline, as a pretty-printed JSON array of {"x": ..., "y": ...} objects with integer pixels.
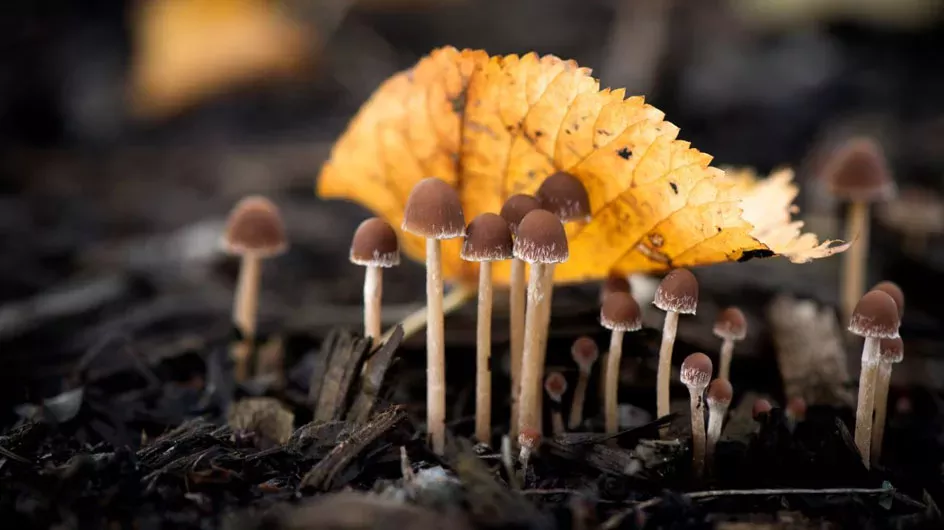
[
  {"x": 614, "y": 283},
  {"x": 529, "y": 439},
  {"x": 892, "y": 350},
  {"x": 375, "y": 244},
  {"x": 255, "y": 227},
  {"x": 678, "y": 292},
  {"x": 876, "y": 315},
  {"x": 761, "y": 406},
  {"x": 555, "y": 384},
  {"x": 487, "y": 238},
  {"x": 796, "y": 408},
  {"x": 858, "y": 171},
  {"x": 620, "y": 312},
  {"x": 564, "y": 195},
  {"x": 541, "y": 238},
  {"x": 696, "y": 371},
  {"x": 585, "y": 352},
  {"x": 720, "y": 392},
  {"x": 892, "y": 289},
  {"x": 433, "y": 211},
  {"x": 516, "y": 207},
  {"x": 731, "y": 324}
]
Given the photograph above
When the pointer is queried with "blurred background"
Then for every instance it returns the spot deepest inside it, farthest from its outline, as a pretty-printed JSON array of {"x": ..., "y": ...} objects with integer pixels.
[{"x": 128, "y": 129}]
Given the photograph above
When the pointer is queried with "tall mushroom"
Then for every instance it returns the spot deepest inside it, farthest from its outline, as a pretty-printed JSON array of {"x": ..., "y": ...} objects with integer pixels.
[
  {"x": 696, "y": 374},
  {"x": 541, "y": 241},
  {"x": 620, "y": 314},
  {"x": 875, "y": 317},
  {"x": 585, "y": 353},
  {"x": 434, "y": 212},
  {"x": 487, "y": 239},
  {"x": 720, "y": 394},
  {"x": 555, "y": 384},
  {"x": 858, "y": 173},
  {"x": 677, "y": 294},
  {"x": 374, "y": 246},
  {"x": 614, "y": 283},
  {"x": 891, "y": 351},
  {"x": 564, "y": 195},
  {"x": 892, "y": 289},
  {"x": 729, "y": 326},
  {"x": 513, "y": 211},
  {"x": 254, "y": 232}
]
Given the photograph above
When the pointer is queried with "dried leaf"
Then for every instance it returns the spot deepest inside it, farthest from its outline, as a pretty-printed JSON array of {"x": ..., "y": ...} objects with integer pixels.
[{"x": 496, "y": 126}]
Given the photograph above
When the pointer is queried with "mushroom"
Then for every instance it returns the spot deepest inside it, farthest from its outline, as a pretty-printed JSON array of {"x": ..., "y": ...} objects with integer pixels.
[
  {"x": 555, "y": 385},
  {"x": 891, "y": 351},
  {"x": 434, "y": 212},
  {"x": 796, "y": 409},
  {"x": 720, "y": 394},
  {"x": 513, "y": 211},
  {"x": 875, "y": 317},
  {"x": 730, "y": 326},
  {"x": 487, "y": 239},
  {"x": 254, "y": 232},
  {"x": 892, "y": 289},
  {"x": 541, "y": 241},
  {"x": 696, "y": 374},
  {"x": 564, "y": 195},
  {"x": 376, "y": 247},
  {"x": 858, "y": 173},
  {"x": 614, "y": 283},
  {"x": 677, "y": 294},
  {"x": 918, "y": 214},
  {"x": 761, "y": 408},
  {"x": 585, "y": 354},
  {"x": 620, "y": 314},
  {"x": 528, "y": 440}
]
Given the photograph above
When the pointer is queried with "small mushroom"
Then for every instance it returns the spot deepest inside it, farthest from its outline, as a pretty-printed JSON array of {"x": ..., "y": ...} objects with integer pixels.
[
  {"x": 892, "y": 289},
  {"x": 374, "y": 246},
  {"x": 541, "y": 241},
  {"x": 918, "y": 214},
  {"x": 254, "y": 232},
  {"x": 875, "y": 317},
  {"x": 858, "y": 173},
  {"x": 487, "y": 239},
  {"x": 528, "y": 440},
  {"x": 720, "y": 394},
  {"x": 585, "y": 353},
  {"x": 696, "y": 374},
  {"x": 433, "y": 211},
  {"x": 761, "y": 408},
  {"x": 620, "y": 314},
  {"x": 677, "y": 294},
  {"x": 555, "y": 385},
  {"x": 891, "y": 351},
  {"x": 796, "y": 409},
  {"x": 614, "y": 283},
  {"x": 513, "y": 211},
  {"x": 564, "y": 195},
  {"x": 730, "y": 326}
]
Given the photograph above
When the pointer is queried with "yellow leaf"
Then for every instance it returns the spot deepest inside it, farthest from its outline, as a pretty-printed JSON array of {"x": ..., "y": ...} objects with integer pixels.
[{"x": 496, "y": 126}]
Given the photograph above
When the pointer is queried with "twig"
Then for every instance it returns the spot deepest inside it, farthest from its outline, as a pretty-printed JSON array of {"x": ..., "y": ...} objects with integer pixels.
[{"x": 617, "y": 519}]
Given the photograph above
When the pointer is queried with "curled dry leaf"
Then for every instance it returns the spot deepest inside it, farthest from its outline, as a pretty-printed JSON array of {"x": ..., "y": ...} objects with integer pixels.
[{"x": 496, "y": 126}]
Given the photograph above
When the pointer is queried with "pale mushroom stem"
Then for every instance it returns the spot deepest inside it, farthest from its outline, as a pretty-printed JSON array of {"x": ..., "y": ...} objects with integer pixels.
[
  {"x": 665, "y": 363},
  {"x": 854, "y": 259},
  {"x": 866, "y": 399},
  {"x": 516, "y": 306},
  {"x": 245, "y": 311},
  {"x": 435, "y": 353},
  {"x": 612, "y": 381},
  {"x": 545, "y": 327},
  {"x": 727, "y": 352},
  {"x": 698, "y": 432},
  {"x": 557, "y": 421},
  {"x": 532, "y": 360},
  {"x": 576, "y": 405},
  {"x": 373, "y": 292},
  {"x": 883, "y": 380},
  {"x": 715, "y": 421},
  {"x": 483, "y": 351}
]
